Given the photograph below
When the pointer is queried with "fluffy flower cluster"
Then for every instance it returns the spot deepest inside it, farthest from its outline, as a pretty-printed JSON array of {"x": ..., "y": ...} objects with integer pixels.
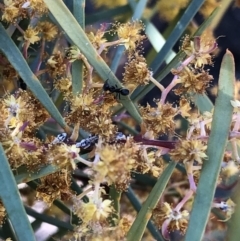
[{"x": 105, "y": 158}]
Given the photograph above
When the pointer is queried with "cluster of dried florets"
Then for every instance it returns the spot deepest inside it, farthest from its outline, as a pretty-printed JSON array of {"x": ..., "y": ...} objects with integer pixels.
[
  {"x": 190, "y": 78},
  {"x": 20, "y": 9},
  {"x": 111, "y": 160},
  {"x": 114, "y": 158}
]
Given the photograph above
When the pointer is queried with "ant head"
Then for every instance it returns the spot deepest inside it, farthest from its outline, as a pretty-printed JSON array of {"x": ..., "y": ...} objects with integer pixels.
[{"x": 106, "y": 85}]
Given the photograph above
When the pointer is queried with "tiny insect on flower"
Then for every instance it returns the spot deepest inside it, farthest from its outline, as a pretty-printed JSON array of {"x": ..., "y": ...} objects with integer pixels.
[{"x": 114, "y": 89}]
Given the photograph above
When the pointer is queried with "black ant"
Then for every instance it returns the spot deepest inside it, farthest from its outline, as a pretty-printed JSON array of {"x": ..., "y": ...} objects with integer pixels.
[{"x": 114, "y": 89}]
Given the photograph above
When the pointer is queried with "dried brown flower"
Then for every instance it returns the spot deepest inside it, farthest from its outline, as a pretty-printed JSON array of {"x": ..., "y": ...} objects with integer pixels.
[
  {"x": 176, "y": 220},
  {"x": 188, "y": 151},
  {"x": 130, "y": 33},
  {"x": 7, "y": 71},
  {"x": 55, "y": 186},
  {"x": 192, "y": 81},
  {"x": 147, "y": 162},
  {"x": 48, "y": 30},
  {"x": 160, "y": 120},
  {"x": 38, "y": 6},
  {"x": 13, "y": 10},
  {"x": 115, "y": 164},
  {"x": 136, "y": 70},
  {"x": 82, "y": 108},
  {"x": 185, "y": 107},
  {"x": 64, "y": 85},
  {"x": 2, "y": 213},
  {"x": 31, "y": 35},
  {"x": 97, "y": 37},
  {"x": 56, "y": 65},
  {"x": 199, "y": 49}
]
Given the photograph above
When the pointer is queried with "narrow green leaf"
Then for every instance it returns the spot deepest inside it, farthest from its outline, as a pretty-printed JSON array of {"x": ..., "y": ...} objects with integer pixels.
[
  {"x": 203, "y": 103},
  {"x": 138, "y": 9},
  {"x": 106, "y": 14},
  {"x": 48, "y": 219},
  {"x": 16, "y": 59},
  {"x": 145, "y": 179},
  {"x": 75, "y": 219},
  {"x": 77, "y": 65},
  {"x": 11, "y": 199},
  {"x": 224, "y": 6},
  {"x": 128, "y": 128},
  {"x": 114, "y": 196},
  {"x": 75, "y": 187},
  {"x": 137, "y": 229},
  {"x": 157, "y": 40},
  {"x": 78, "y": 37},
  {"x": 176, "y": 33},
  {"x": 137, "y": 206},
  {"x": 77, "y": 77},
  {"x": 36, "y": 224},
  {"x": 79, "y": 12},
  {"x": 222, "y": 118},
  {"x": 207, "y": 22},
  {"x": 50, "y": 129},
  {"x": 233, "y": 232},
  {"x": 22, "y": 174},
  {"x": 11, "y": 29}
]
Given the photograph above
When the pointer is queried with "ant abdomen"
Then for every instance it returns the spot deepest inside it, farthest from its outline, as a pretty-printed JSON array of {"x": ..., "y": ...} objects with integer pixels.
[{"x": 124, "y": 92}]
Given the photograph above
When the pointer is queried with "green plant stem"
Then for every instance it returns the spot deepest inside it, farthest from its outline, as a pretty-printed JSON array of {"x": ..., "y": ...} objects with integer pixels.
[
  {"x": 77, "y": 66},
  {"x": 11, "y": 199},
  {"x": 137, "y": 206},
  {"x": 137, "y": 229},
  {"x": 217, "y": 142},
  {"x": 74, "y": 186},
  {"x": 48, "y": 219},
  {"x": 115, "y": 196},
  {"x": 233, "y": 232},
  {"x": 107, "y": 14}
]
